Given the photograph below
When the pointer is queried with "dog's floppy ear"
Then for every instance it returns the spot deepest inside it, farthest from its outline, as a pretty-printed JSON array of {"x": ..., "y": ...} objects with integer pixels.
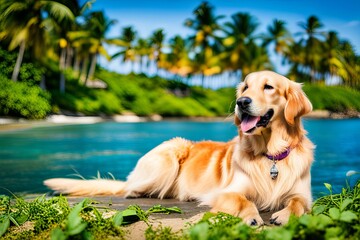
[{"x": 297, "y": 103}]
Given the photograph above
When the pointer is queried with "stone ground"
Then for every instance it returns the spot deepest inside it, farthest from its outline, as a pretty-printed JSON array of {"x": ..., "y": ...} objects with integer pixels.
[{"x": 192, "y": 213}]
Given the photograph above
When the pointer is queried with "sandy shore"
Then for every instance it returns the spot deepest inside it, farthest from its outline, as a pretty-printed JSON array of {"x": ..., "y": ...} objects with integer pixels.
[{"x": 7, "y": 124}]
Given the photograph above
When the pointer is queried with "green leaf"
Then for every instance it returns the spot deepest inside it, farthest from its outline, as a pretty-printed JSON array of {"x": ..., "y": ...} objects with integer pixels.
[
  {"x": 74, "y": 218},
  {"x": 318, "y": 209},
  {"x": 328, "y": 186},
  {"x": 21, "y": 219},
  {"x": 78, "y": 229},
  {"x": 207, "y": 216},
  {"x": 13, "y": 221},
  {"x": 279, "y": 233},
  {"x": 161, "y": 209},
  {"x": 345, "y": 203},
  {"x": 348, "y": 216},
  {"x": 4, "y": 225},
  {"x": 129, "y": 213},
  {"x": 333, "y": 233},
  {"x": 118, "y": 219},
  {"x": 334, "y": 213},
  {"x": 319, "y": 222},
  {"x": 200, "y": 231},
  {"x": 129, "y": 216},
  {"x": 87, "y": 236},
  {"x": 322, "y": 221},
  {"x": 58, "y": 234}
]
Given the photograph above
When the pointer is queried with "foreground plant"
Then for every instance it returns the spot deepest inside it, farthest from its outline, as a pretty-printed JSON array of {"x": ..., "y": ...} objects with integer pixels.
[
  {"x": 335, "y": 216},
  {"x": 54, "y": 218}
]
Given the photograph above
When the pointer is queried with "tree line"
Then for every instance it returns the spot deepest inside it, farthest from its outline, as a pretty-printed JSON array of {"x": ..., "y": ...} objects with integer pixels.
[{"x": 73, "y": 36}]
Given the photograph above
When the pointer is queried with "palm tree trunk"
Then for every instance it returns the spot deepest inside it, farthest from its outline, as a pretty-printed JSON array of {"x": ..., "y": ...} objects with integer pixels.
[
  {"x": 69, "y": 55},
  {"x": 141, "y": 64},
  {"x": 132, "y": 66},
  {"x": 62, "y": 59},
  {"x": 84, "y": 70},
  {"x": 43, "y": 82},
  {"x": 202, "y": 79},
  {"x": 18, "y": 62},
  {"x": 62, "y": 82},
  {"x": 77, "y": 64},
  {"x": 92, "y": 68},
  {"x": 62, "y": 67}
]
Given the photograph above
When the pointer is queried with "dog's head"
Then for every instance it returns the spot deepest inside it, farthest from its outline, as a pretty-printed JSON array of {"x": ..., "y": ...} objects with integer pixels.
[{"x": 266, "y": 97}]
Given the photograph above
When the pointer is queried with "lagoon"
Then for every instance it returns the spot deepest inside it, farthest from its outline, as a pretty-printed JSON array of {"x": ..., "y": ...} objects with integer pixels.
[{"x": 29, "y": 156}]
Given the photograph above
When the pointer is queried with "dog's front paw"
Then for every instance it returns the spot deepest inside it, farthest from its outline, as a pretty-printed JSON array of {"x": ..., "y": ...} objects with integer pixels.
[
  {"x": 280, "y": 217},
  {"x": 251, "y": 219}
]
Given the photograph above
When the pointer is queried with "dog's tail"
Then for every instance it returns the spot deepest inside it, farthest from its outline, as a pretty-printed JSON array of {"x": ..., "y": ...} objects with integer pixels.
[{"x": 80, "y": 187}]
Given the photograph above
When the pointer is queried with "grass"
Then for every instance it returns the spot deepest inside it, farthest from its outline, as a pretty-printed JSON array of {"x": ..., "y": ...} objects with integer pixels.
[{"x": 335, "y": 216}]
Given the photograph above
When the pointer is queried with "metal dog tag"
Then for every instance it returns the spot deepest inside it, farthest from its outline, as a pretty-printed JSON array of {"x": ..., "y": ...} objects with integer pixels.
[{"x": 274, "y": 172}]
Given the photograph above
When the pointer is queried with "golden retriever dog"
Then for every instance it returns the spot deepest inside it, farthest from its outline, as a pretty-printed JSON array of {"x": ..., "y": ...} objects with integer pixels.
[{"x": 265, "y": 168}]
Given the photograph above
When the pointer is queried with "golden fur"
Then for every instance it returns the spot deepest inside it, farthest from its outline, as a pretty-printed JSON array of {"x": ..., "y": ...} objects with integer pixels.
[{"x": 231, "y": 177}]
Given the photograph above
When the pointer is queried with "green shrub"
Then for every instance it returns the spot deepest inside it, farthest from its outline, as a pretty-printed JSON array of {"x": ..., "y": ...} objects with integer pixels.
[
  {"x": 218, "y": 102},
  {"x": 171, "y": 106},
  {"x": 87, "y": 101},
  {"x": 333, "y": 98},
  {"x": 30, "y": 71},
  {"x": 19, "y": 99}
]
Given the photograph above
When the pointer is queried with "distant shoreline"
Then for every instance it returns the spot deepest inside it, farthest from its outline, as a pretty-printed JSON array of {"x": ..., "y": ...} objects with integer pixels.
[{"x": 8, "y": 124}]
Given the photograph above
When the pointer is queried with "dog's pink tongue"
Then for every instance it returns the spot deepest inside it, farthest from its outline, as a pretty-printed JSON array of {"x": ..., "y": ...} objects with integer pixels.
[{"x": 248, "y": 123}]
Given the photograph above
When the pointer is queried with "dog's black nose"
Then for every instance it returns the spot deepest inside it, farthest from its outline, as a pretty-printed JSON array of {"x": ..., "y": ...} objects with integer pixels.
[{"x": 243, "y": 102}]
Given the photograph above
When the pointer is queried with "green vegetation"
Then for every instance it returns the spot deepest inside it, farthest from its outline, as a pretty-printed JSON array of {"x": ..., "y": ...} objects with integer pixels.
[
  {"x": 333, "y": 98},
  {"x": 146, "y": 96},
  {"x": 21, "y": 100},
  {"x": 80, "y": 99},
  {"x": 335, "y": 216},
  {"x": 56, "y": 44},
  {"x": 53, "y": 218}
]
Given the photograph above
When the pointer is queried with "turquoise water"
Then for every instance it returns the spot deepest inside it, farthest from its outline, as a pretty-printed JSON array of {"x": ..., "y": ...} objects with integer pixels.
[{"x": 27, "y": 157}]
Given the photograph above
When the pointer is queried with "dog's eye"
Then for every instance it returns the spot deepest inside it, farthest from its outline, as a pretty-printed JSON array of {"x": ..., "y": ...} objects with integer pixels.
[
  {"x": 246, "y": 87},
  {"x": 268, "y": 87}
]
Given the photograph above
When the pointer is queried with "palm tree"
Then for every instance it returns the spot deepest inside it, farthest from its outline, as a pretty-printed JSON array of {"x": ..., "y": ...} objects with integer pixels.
[
  {"x": 98, "y": 25},
  {"x": 278, "y": 34},
  {"x": 142, "y": 49},
  {"x": 60, "y": 34},
  {"x": 240, "y": 34},
  {"x": 177, "y": 61},
  {"x": 311, "y": 42},
  {"x": 62, "y": 28},
  {"x": 331, "y": 62},
  {"x": 93, "y": 37},
  {"x": 25, "y": 22},
  {"x": 296, "y": 58},
  {"x": 351, "y": 75},
  {"x": 157, "y": 40},
  {"x": 255, "y": 58},
  {"x": 126, "y": 41},
  {"x": 206, "y": 26}
]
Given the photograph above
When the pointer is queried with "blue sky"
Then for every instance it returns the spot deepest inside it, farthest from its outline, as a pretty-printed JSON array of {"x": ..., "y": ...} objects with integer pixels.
[{"x": 148, "y": 15}]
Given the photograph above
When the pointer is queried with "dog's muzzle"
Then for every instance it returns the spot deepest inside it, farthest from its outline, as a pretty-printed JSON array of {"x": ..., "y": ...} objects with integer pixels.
[{"x": 249, "y": 121}]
